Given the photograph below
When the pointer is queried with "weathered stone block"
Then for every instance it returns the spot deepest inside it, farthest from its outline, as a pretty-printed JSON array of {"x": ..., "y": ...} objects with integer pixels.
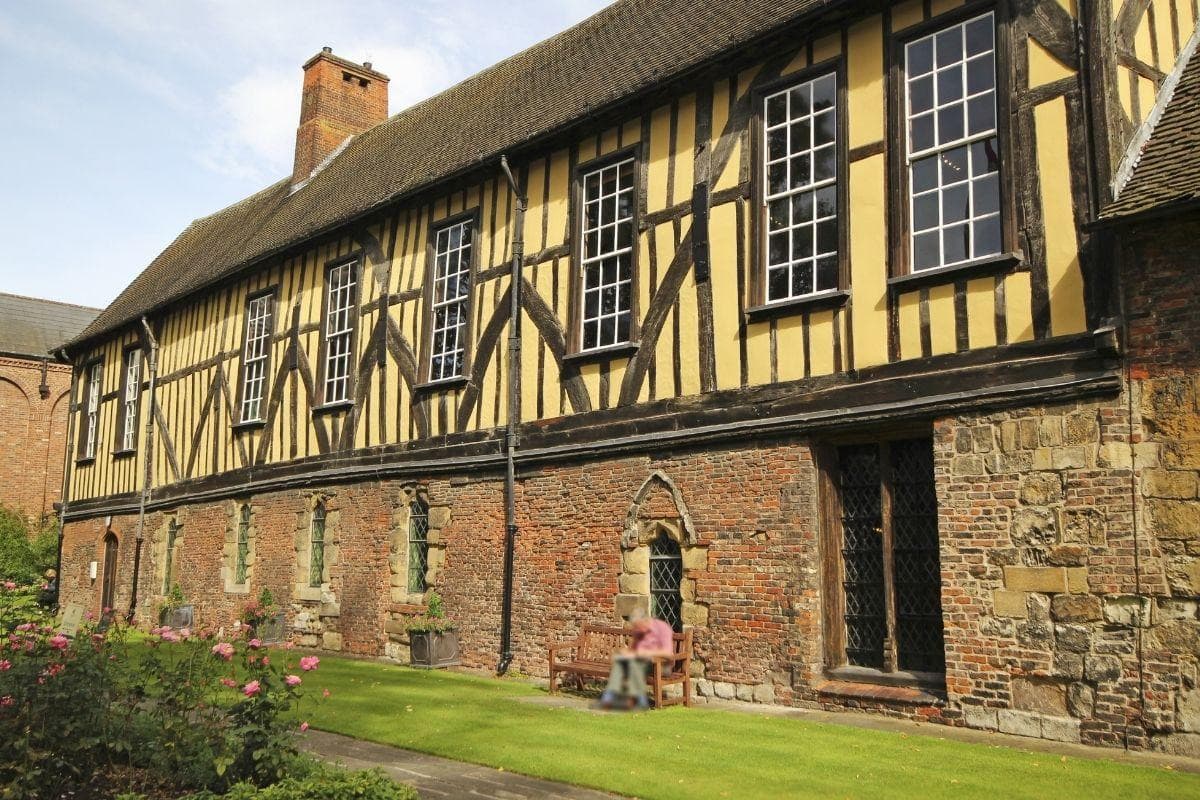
[
  {"x": 1179, "y": 637},
  {"x": 1036, "y": 634},
  {"x": 1042, "y": 489},
  {"x": 633, "y": 584},
  {"x": 1183, "y": 576},
  {"x": 1050, "y": 431},
  {"x": 1169, "y": 483},
  {"x": 1187, "y": 711},
  {"x": 695, "y": 558},
  {"x": 967, "y": 465},
  {"x": 1027, "y": 434},
  {"x": 1060, "y": 729},
  {"x": 1019, "y": 723},
  {"x": 331, "y": 640},
  {"x": 1040, "y": 695},
  {"x": 982, "y": 718},
  {"x": 724, "y": 690},
  {"x": 1007, "y": 603},
  {"x": 1082, "y": 428},
  {"x": 1077, "y": 579},
  {"x": 1175, "y": 519},
  {"x": 1075, "y": 607},
  {"x": 1098, "y": 669},
  {"x": 1081, "y": 700},
  {"x": 1128, "y": 610},
  {"x": 1069, "y": 665},
  {"x": 1072, "y": 638},
  {"x": 1115, "y": 455},
  {"x": 636, "y": 561},
  {"x": 439, "y": 516},
  {"x": 1035, "y": 579},
  {"x": 694, "y": 614},
  {"x": 1074, "y": 457},
  {"x": 1178, "y": 744},
  {"x": 1033, "y": 527},
  {"x": 1167, "y": 609},
  {"x": 1067, "y": 555},
  {"x": 1009, "y": 442},
  {"x": 764, "y": 693},
  {"x": 744, "y": 692},
  {"x": 625, "y": 604},
  {"x": 983, "y": 439},
  {"x": 1181, "y": 454},
  {"x": 1085, "y": 526}
]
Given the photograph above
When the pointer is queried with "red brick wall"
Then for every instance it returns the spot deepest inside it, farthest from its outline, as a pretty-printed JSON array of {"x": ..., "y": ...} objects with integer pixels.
[
  {"x": 1159, "y": 279},
  {"x": 33, "y": 435}
]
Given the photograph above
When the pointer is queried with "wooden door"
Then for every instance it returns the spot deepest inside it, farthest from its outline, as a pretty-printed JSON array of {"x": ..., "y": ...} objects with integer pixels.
[{"x": 109, "y": 581}]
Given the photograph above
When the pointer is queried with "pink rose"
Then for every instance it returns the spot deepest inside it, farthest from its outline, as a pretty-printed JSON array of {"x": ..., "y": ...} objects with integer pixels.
[
  {"x": 224, "y": 650},
  {"x": 6, "y": 701},
  {"x": 309, "y": 663},
  {"x": 59, "y": 642},
  {"x": 169, "y": 635},
  {"x": 290, "y": 680},
  {"x": 9, "y": 585},
  {"x": 303, "y": 727},
  {"x": 27, "y": 626},
  {"x": 229, "y": 682},
  {"x": 252, "y": 688},
  {"x": 266, "y": 661},
  {"x": 5, "y": 665},
  {"x": 185, "y": 632},
  {"x": 255, "y": 643}
]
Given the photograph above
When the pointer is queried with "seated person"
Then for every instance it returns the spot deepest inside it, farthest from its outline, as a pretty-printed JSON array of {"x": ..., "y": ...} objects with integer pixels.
[{"x": 652, "y": 638}]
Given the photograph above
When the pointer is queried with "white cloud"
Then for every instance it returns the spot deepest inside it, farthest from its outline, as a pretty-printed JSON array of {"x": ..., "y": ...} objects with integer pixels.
[{"x": 254, "y": 128}]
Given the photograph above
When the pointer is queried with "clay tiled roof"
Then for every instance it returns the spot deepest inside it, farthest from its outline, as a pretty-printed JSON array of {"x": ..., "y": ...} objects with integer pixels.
[
  {"x": 1168, "y": 170},
  {"x": 625, "y": 49},
  {"x": 32, "y": 327}
]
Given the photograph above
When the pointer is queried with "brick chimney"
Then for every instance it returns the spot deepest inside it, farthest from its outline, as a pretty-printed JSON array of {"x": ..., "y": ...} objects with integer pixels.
[{"x": 340, "y": 99}]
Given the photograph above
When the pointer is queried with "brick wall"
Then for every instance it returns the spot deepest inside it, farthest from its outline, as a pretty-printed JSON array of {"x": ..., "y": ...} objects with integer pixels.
[{"x": 33, "y": 435}]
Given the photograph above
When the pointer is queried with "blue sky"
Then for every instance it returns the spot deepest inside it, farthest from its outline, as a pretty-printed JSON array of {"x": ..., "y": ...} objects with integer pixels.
[{"x": 126, "y": 120}]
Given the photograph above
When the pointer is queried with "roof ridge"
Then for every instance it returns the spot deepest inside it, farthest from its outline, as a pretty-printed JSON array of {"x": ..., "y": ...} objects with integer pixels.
[{"x": 53, "y": 302}]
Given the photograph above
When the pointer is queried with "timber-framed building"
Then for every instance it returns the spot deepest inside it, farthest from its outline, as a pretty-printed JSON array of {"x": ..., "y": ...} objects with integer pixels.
[{"x": 842, "y": 337}]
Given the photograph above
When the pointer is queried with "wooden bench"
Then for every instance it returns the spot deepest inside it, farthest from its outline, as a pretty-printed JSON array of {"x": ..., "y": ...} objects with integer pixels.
[{"x": 591, "y": 656}]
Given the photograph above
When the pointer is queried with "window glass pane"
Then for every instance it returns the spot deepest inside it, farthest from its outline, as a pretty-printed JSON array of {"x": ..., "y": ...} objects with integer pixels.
[
  {"x": 981, "y": 74},
  {"x": 827, "y": 273},
  {"x": 982, "y": 113},
  {"x": 609, "y": 241},
  {"x": 955, "y": 243},
  {"x": 801, "y": 187},
  {"x": 920, "y": 57},
  {"x": 987, "y": 236},
  {"x": 986, "y": 194},
  {"x": 920, "y": 95},
  {"x": 949, "y": 46}
]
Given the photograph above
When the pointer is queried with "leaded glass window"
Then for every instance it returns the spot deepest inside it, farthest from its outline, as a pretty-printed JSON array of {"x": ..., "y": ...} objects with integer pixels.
[
  {"x": 92, "y": 409},
  {"x": 891, "y": 576},
  {"x": 800, "y": 199},
  {"x": 418, "y": 545},
  {"x": 339, "y": 331},
  {"x": 608, "y": 241},
  {"x": 952, "y": 145},
  {"x": 451, "y": 291},
  {"x": 666, "y": 574},
  {"x": 316, "y": 552},
  {"x": 243, "y": 545},
  {"x": 169, "y": 554},
  {"x": 133, "y": 390},
  {"x": 254, "y": 359}
]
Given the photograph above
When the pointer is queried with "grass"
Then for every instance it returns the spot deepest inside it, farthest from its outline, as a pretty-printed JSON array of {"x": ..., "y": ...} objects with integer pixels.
[{"x": 697, "y": 753}]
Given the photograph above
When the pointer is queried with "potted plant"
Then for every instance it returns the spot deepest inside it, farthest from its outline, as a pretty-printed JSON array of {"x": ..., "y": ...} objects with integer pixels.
[
  {"x": 175, "y": 611},
  {"x": 263, "y": 618},
  {"x": 432, "y": 640}
]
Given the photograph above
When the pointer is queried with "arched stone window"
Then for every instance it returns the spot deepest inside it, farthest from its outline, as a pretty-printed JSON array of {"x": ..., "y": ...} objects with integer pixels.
[
  {"x": 666, "y": 577},
  {"x": 316, "y": 542},
  {"x": 418, "y": 545}
]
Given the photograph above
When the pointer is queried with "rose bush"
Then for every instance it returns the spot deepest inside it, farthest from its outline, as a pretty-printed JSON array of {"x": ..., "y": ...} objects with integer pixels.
[{"x": 198, "y": 712}]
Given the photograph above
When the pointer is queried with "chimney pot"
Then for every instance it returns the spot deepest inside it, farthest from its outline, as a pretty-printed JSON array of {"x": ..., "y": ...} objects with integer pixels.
[
  {"x": 367, "y": 64},
  {"x": 341, "y": 99}
]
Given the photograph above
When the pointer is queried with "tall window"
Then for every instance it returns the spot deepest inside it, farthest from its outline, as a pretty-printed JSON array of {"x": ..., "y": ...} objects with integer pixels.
[
  {"x": 801, "y": 189},
  {"x": 891, "y": 576},
  {"x": 243, "y": 545},
  {"x": 418, "y": 545},
  {"x": 316, "y": 552},
  {"x": 129, "y": 401},
  {"x": 451, "y": 290},
  {"x": 953, "y": 149},
  {"x": 608, "y": 241},
  {"x": 169, "y": 554},
  {"x": 339, "y": 331},
  {"x": 666, "y": 573},
  {"x": 91, "y": 410},
  {"x": 259, "y": 325}
]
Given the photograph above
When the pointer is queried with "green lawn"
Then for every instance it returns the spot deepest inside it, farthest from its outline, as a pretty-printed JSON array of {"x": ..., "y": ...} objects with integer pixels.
[{"x": 697, "y": 753}]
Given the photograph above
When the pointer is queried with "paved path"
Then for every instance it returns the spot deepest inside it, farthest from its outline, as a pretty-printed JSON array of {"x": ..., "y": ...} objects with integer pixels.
[{"x": 437, "y": 777}]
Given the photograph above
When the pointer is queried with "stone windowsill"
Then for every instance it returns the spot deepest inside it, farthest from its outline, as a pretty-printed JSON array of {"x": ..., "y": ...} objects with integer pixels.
[
  {"x": 234, "y": 588},
  {"x": 906, "y": 695},
  {"x": 308, "y": 594}
]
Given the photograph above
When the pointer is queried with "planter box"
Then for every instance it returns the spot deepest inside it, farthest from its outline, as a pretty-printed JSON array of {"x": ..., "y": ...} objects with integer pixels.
[{"x": 429, "y": 650}]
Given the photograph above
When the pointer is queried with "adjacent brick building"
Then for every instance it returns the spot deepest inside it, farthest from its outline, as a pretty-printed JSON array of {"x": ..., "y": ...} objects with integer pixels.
[
  {"x": 34, "y": 396},
  {"x": 924, "y": 459}
]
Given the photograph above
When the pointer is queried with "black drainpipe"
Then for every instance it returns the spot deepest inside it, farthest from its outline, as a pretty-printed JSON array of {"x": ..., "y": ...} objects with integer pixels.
[
  {"x": 147, "y": 475},
  {"x": 68, "y": 462},
  {"x": 514, "y": 416}
]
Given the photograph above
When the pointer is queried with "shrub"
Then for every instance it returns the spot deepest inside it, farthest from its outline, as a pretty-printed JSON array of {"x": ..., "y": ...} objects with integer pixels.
[
  {"x": 324, "y": 782},
  {"x": 25, "y": 553},
  {"x": 19, "y": 604}
]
